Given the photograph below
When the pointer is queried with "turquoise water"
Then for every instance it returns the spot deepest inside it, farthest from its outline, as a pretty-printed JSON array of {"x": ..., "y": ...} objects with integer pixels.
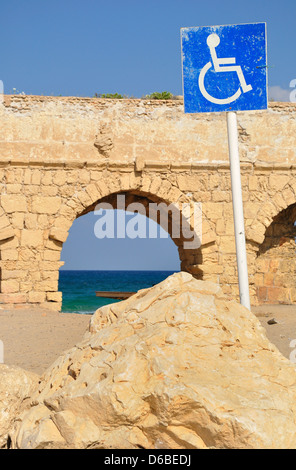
[{"x": 79, "y": 287}]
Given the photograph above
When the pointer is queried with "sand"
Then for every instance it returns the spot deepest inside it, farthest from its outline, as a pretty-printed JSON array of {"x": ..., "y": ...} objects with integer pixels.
[
  {"x": 33, "y": 339},
  {"x": 284, "y": 331}
]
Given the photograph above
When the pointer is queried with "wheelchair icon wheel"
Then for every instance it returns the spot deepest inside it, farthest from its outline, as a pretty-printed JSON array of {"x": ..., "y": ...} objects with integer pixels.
[{"x": 207, "y": 96}]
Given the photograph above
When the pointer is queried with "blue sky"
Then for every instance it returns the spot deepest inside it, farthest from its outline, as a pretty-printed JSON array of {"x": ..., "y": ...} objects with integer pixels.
[
  {"x": 83, "y": 250},
  {"x": 132, "y": 47},
  {"x": 79, "y": 48}
]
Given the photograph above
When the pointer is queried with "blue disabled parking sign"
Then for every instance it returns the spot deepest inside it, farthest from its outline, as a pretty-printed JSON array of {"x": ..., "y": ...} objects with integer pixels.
[{"x": 224, "y": 68}]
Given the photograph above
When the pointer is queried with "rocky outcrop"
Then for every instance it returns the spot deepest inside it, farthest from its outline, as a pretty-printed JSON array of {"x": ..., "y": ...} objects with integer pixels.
[
  {"x": 16, "y": 387},
  {"x": 174, "y": 366}
]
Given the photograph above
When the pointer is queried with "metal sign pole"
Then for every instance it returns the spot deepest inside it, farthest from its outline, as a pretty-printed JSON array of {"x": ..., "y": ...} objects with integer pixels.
[
  {"x": 238, "y": 214},
  {"x": 220, "y": 79}
]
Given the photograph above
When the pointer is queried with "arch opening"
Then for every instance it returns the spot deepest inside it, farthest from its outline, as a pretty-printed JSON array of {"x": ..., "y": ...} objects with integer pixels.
[{"x": 111, "y": 273}]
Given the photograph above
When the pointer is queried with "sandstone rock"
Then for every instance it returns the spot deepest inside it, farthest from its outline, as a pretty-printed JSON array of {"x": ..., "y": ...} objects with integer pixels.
[
  {"x": 6, "y": 233},
  {"x": 16, "y": 386},
  {"x": 104, "y": 141},
  {"x": 58, "y": 234},
  {"x": 174, "y": 366},
  {"x": 13, "y": 203}
]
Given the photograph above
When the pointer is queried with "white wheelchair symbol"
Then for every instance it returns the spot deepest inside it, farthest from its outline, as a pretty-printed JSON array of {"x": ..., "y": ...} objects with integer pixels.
[{"x": 213, "y": 41}]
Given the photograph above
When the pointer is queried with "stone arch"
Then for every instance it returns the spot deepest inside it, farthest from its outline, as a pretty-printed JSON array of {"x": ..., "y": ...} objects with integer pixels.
[
  {"x": 150, "y": 187},
  {"x": 170, "y": 220},
  {"x": 137, "y": 187},
  {"x": 275, "y": 276},
  {"x": 280, "y": 195}
]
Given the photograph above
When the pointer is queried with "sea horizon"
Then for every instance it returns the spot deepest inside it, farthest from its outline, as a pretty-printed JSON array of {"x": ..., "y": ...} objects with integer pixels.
[
  {"x": 123, "y": 270},
  {"x": 79, "y": 286}
]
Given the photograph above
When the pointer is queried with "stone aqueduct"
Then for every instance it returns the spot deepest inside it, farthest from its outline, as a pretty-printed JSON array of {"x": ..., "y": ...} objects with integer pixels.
[{"x": 60, "y": 156}]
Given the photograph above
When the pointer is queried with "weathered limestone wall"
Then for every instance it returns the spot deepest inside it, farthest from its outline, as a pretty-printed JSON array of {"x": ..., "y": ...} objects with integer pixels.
[{"x": 60, "y": 156}]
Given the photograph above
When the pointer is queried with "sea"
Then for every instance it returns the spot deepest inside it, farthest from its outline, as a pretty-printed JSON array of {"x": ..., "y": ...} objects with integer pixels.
[{"x": 79, "y": 287}]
